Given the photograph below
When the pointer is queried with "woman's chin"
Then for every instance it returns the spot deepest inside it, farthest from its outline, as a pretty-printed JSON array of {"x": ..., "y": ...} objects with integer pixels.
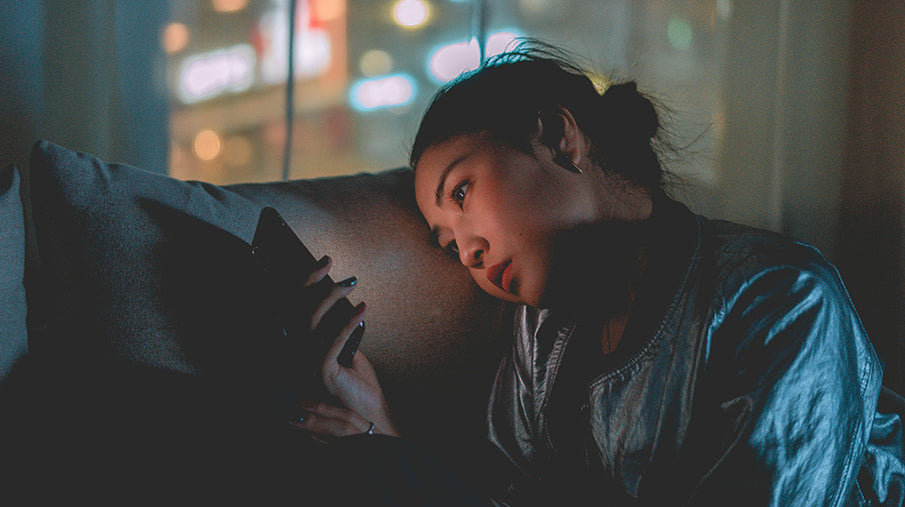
[{"x": 498, "y": 293}]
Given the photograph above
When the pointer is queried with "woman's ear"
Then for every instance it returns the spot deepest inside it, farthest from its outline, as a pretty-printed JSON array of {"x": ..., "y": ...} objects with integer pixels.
[
  {"x": 550, "y": 130},
  {"x": 558, "y": 131}
]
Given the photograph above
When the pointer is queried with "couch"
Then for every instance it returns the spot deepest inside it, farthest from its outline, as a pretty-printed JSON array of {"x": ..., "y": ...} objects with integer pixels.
[{"x": 125, "y": 290}]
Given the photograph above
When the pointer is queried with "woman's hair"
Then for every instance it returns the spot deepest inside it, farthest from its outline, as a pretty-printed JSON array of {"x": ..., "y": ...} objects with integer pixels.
[{"x": 504, "y": 97}]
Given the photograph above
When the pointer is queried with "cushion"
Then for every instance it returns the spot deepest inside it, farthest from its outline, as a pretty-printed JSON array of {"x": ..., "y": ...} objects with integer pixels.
[
  {"x": 148, "y": 268},
  {"x": 13, "y": 334}
]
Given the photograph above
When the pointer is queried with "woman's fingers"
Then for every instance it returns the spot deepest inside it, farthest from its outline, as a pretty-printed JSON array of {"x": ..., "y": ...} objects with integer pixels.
[
  {"x": 322, "y": 267},
  {"x": 357, "y": 387},
  {"x": 318, "y": 296},
  {"x": 355, "y": 320},
  {"x": 327, "y": 420},
  {"x": 335, "y": 293}
]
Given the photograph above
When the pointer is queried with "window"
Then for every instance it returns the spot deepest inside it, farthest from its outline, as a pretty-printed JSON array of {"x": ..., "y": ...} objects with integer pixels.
[{"x": 366, "y": 69}]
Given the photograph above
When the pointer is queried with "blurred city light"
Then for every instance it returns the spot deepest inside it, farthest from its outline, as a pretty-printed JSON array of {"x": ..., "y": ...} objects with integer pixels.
[
  {"x": 375, "y": 62},
  {"x": 208, "y": 75},
  {"x": 328, "y": 10},
  {"x": 410, "y": 13},
  {"x": 207, "y": 145},
  {"x": 229, "y": 5},
  {"x": 382, "y": 92},
  {"x": 174, "y": 38},
  {"x": 313, "y": 51},
  {"x": 679, "y": 33},
  {"x": 353, "y": 106},
  {"x": 449, "y": 61},
  {"x": 499, "y": 42}
]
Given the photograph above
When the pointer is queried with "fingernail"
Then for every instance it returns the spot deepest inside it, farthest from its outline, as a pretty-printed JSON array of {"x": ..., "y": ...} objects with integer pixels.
[
  {"x": 348, "y": 282},
  {"x": 300, "y": 416},
  {"x": 360, "y": 308},
  {"x": 322, "y": 261}
]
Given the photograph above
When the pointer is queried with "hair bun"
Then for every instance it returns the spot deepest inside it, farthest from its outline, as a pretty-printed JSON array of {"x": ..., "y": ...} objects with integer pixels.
[{"x": 630, "y": 115}]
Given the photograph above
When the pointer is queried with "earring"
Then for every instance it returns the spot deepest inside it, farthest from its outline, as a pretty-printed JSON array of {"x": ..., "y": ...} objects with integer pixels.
[{"x": 566, "y": 163}]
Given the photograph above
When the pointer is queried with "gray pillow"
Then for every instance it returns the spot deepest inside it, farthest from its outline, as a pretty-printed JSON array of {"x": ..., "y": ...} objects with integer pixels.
[
  {"x": 100, "y": 231},
  {"x": 148, "y": 268},
  {"x": 13, "y": 334}
]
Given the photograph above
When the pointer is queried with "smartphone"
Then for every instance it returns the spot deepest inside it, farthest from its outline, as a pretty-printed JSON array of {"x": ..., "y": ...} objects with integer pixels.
[{"x": 285, "y": 264}]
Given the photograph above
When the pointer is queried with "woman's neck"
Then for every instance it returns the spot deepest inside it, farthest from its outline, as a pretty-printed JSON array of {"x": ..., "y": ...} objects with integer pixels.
[{"x": 617, "y": 320}]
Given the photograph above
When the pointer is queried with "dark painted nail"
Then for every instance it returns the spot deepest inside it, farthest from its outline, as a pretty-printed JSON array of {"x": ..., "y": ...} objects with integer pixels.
[
  {"x": 322, "y": 262},
  {"x": 348, "y": 282},
  {"x": 301, "y": 415}
]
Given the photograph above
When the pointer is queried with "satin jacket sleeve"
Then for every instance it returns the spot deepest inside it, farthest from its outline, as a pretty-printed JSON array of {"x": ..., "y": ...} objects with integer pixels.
[{"x": 797, "y": 390}]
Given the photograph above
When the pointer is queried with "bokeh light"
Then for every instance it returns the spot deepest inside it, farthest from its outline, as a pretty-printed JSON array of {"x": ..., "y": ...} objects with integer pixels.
[
  {"x": 228, "y": 5},
  {"x": 375, "y": 62},
  {"x": 207, "y": 75},
  {"x": 679, "y": 33},
  {"x": 450, "y": 60},
  {"x": 174, "y": 38},
  {"x": 383, "y": 92},
  {"x": 328, "y": 10},
  {"x": 207, "y": 145},
  {"x": 410, "y": 13}
]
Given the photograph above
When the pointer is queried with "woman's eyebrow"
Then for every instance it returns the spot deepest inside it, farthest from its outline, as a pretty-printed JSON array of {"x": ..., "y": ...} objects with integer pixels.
[{"x": 438, "y": 194}]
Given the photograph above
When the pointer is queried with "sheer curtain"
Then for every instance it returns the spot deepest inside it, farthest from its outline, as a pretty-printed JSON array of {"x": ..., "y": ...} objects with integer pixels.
[{"x": 87, "y": 74}]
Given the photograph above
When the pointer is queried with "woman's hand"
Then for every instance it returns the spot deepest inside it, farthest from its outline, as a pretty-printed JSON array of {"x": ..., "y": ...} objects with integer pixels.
[{"x": 356, "y": 388}]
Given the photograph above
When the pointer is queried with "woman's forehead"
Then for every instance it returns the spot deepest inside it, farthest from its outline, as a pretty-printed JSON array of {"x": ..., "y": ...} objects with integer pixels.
[
  {"x": 455, "y": 144},
  {"x": 434, "y": 164},
  {"x": 438, "y": 157}
]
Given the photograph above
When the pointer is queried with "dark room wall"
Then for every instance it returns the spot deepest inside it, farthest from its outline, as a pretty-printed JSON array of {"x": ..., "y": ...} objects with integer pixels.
[{"x": 871, "y": 246}]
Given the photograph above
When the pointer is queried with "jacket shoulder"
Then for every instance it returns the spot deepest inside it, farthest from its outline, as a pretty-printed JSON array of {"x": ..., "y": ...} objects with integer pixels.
[
  {"x": 739, "y": 253},
  {"x": 770, "y": 291},
  {"x": 785, "y": 342}
]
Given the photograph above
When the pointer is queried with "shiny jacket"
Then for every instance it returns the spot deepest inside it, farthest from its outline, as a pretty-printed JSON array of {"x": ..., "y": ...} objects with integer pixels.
[{"x": 744, "y": 376}]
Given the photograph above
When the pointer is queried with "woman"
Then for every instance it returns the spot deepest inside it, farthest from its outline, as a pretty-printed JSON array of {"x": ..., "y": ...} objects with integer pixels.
[{"x": 658, "y": 356}]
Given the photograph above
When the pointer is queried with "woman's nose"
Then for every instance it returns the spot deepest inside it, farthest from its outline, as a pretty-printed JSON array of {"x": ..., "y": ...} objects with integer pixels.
[{"x": 471, "y": 252}]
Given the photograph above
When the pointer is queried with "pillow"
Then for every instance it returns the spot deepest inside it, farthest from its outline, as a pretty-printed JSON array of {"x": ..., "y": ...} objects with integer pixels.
[
  {"x": 145, "y": 267},
  {"x": 13, "y": 334}
]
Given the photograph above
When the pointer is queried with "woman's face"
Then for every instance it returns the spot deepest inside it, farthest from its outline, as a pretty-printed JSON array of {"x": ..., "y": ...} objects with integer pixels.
[{"x": 502, "y": 212}]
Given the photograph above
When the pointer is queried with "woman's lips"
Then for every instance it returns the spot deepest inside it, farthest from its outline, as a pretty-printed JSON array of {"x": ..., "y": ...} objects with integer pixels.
[{"x": 501, "y": 275}]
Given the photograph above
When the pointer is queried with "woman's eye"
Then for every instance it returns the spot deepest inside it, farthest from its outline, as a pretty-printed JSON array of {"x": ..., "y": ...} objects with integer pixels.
[{"x": 458, "y": 193}]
